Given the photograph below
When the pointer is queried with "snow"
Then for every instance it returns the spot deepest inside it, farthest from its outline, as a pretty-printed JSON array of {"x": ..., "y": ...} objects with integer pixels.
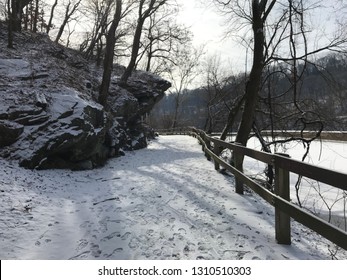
[
  {"x": 326, "y": 153},
  {"x": 14, "y": 67},
  {"x": 321, "y": 199},
  {"x": 163, "y": 202}
]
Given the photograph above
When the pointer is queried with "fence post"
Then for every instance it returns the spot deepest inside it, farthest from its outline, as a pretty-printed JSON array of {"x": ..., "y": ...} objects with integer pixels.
[
  {"x": 238, "y": 164},
  {"x": 216, "y": 152},
  {"x": 208, "y": 146},
  {"x": 282, "y": 220}
]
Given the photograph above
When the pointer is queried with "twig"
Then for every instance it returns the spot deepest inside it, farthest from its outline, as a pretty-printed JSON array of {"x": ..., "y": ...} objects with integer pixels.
[
  {"x": 98, "y": 179},
  {"x": 115, "y": 178},
  {"x": 108, "y": 199}
]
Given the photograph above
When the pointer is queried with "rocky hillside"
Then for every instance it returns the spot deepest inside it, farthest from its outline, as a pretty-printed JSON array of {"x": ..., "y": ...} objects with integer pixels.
[{"x": 49, "y": 117}]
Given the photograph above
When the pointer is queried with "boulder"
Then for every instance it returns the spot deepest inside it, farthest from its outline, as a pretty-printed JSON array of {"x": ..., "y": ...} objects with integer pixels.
[
  {"x": 123, "y": 104},
  {"x": 148, "y": 90},
  {"x": 72, "y": 137},
  {"x": 63, "y": 128}
]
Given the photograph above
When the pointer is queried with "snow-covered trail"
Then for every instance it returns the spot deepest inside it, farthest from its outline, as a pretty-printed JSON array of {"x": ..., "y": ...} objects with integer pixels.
[{"x": 164, "y": 202}]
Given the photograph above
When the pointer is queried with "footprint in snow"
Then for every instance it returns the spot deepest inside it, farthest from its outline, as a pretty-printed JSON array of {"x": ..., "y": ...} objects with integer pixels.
[
  {"x": 134, "y": 243},
  {"x": 117, "y": 250},
  {"x": 182, "y": 231},
  {"x": 110, "y": 236},
  {"x": 96, "y": 252},
  {"x": 157, "y": 252},
  {"x": 125, "y": 236},
  {"x": 83, "y": 255},
  {"x": 86, "y": 224},
  {"x": 81, "y": 244}
]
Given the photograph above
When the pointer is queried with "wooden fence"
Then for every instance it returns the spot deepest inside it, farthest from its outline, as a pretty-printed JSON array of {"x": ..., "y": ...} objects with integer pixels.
[
  {"x": 324, "y": 135},
  {"x": 280, "y": 198}
]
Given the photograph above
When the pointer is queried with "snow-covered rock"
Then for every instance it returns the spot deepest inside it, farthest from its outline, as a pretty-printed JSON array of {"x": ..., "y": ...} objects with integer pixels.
[
  {"x": 49, "y": 115},
  {"x": 9, "y": 132},
  {"x": 71, "y": 136},
  {"x": 148, "y": 90}
]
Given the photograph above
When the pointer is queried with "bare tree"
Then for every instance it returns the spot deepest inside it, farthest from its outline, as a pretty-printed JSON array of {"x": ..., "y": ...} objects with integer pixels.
[
  {"x": 51, "y": 16},
  {"x": 33, "y": 18},
  {"x": 183, "y": 75},
  {"x": 15, "y": 14},
  {"x": 100, "y": 12},
  {"x": 10, "y": 26},
  {"x": 260, "y": 12},
  {"x": 144, "y": 12},
  {"x": 271, "y": 29},
  {"x": 216, "y": 90},
  {"x": 224, "y": 94},
  {"x": 70, "y": 10},
  {"x": 162, "y": 37},
  {"x": 109, "y": 54},
  {"x": 278, "y": 35},
  {"x": 15, "y": 10}
]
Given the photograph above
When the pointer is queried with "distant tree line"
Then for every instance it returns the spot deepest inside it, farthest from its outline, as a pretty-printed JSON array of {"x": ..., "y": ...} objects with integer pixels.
[{"x": 323, "y": 92}]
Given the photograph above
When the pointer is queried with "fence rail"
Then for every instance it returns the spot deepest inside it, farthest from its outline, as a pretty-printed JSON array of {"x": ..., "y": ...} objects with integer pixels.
[
  {"x": 324, "y": 135},
  {"x": 280, "y": 198}
]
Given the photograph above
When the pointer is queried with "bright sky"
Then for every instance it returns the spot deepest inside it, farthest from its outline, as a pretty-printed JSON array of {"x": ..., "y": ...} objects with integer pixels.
[{"x": 207, "y": 27}]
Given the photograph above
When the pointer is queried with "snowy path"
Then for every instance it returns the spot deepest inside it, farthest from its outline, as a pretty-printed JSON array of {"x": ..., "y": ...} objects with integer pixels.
[{"x": 164, "y": 202}]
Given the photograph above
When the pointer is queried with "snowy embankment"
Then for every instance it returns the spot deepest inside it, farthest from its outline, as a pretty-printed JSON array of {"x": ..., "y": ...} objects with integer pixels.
[{"x": 164, "y": 202}]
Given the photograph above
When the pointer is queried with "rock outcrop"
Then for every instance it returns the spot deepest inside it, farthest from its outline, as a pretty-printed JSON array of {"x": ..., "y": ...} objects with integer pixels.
[
  {"x": 9, "y": 132},
  {"x": 49, "y": 117}
]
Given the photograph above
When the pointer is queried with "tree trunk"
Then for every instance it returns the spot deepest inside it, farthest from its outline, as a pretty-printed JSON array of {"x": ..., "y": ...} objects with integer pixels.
[
  {"x": 17, "y": 12},
  {"x": 108, "y": 60},
  {"x": 174, "y": 122},
  {"x": 177, "y": 105},
  {"x": 61, "y": 30},
  {"x": 254, "y": 82},
  {"x": 208, "y": 121},
  {"x": 100, "y": 30},
  {"x": 49, "y": 25},
  {"x": 68, "y": 15},
  {"x": 36, "y": 16},
  {"x": 93, "y": 42},
  {"x": 137, "y": 37},
  {"x": 149, "y": 56},
  {"x": 99, "y": 48},
  {"x": 26, "y": 18},
  {"x": 17, "y": 7},
  {"x": 231, "y": 117},
  {"x": 269, "y": 171},
  {"x": 10, "y": 25},
  {"x": 134, "y": 51}
]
